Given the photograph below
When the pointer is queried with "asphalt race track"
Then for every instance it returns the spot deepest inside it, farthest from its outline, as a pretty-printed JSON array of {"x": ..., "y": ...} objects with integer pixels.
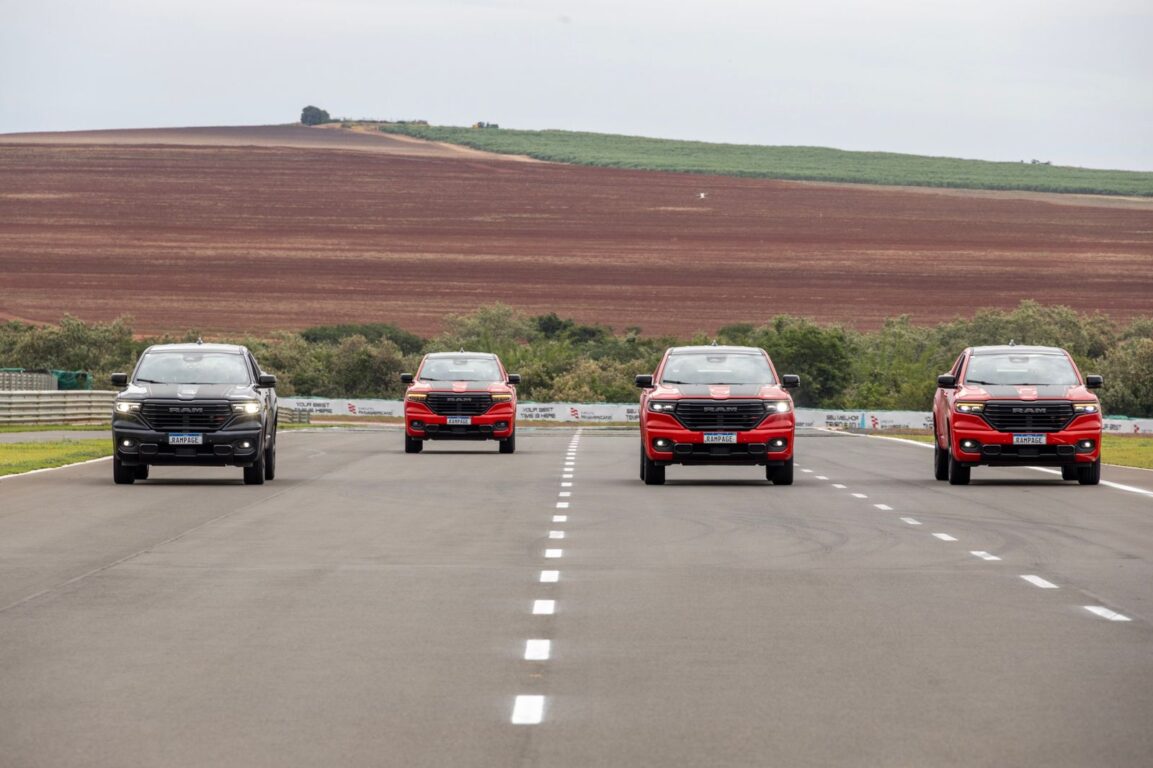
[{"x": 465, "y": 608}]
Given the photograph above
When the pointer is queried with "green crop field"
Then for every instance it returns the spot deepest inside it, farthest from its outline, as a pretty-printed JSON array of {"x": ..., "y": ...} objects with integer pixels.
[{"x": 792, "y": 163}]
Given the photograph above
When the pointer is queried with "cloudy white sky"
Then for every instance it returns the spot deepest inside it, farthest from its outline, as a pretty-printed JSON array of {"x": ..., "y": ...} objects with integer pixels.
[{"x": 1068, "y": 81}]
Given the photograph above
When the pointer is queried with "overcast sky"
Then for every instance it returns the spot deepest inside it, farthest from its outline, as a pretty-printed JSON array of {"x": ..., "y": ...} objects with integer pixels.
[{"x": 1067, "y": 81}]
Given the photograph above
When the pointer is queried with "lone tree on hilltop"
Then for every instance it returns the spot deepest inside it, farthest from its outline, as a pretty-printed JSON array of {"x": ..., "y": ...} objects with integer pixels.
[{"x": 313, "y": 116}]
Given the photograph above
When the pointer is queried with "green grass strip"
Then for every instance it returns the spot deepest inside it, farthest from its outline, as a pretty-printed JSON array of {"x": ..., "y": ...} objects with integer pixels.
[
  {"x": 788, "y": 163},
  {"x": 25, "y": 457}
]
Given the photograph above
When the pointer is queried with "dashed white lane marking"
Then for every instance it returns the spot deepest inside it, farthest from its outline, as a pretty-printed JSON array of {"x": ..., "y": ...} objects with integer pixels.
[
  {"x": 562, "y": 505},
  {"x": 560, "y": 518},
  {"x": 859, "y": 496},
  {"x": 1105, "y": 613},
  {"x": 553, "y": 554},
  {"x": 528, "y": 710},
  {"x": 910, "y": 521},
  {"x": 883, "y": 507},
  {"x": 564, "y": 494},
  {"x": 984, "y": 555},
  {"x": 944, "y": 537},
  {"x": 822, "y": 477},
  {"x": 549, "y": 577},
  {"x": 537, "y": 650},
  {"x": 806, "y": 470},
  {"x": 567, "y": 477},
  {"x": 838, "y": 486},
  {"x": 556, "y": 534},
  {"x": 1037, "y": 581},
  {"x": 566, "y": 485},
  {"x": 544, "y": 607}
]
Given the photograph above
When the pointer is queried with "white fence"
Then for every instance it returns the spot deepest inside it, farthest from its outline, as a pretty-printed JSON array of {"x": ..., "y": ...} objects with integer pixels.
[
  {"x": 85, "y": 407},
  {"x": 629, "y": 413},
  {"x": 56, "y": 407}
]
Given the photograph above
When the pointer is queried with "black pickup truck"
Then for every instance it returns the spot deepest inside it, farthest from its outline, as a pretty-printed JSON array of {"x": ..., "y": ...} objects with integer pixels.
[{"x": 195, "y": 404}]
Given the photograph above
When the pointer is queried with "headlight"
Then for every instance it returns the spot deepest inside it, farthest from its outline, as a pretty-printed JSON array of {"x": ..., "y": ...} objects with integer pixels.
[
  {"x": 501, "y": 397},
  {"x": 251, "y": 408},
  {"x": 1086, "y": 408},
  {"x": 662, "y": 406},
  {"x": 126, "y": 407},
  {"x": 970, "y": 407},
  {"x": 416, "y": 397},
  {"x": 777, "y": 406}
]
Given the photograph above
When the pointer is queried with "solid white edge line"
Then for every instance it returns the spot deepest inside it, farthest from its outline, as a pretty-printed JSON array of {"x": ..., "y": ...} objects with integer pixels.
[
  {"x": 543, "y": 607},
  {"x": 549, "y": 577},
  {"x": 528, "y": 710},
  {"x": 1105, "y": 613},
  {"x": 1037, "y": 581},
  {"x": 53, "y": 469},
  {"x": 537, "y": 650},
  {"x": 553, "y": 554}
]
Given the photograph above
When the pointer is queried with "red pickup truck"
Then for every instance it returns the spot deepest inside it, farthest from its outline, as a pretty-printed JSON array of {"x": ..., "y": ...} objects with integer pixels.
[
  {"x": 1016, "y": 406},
  {"x": 460, "y": 396},
  {"x": 717, "y": 405}
]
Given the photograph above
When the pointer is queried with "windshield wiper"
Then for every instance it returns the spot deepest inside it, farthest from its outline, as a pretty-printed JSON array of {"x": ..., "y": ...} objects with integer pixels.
[
  {"x": 986, "y": 383},
  {"x": 152, "y": 381},
  {"x": 674, "y": 381}
]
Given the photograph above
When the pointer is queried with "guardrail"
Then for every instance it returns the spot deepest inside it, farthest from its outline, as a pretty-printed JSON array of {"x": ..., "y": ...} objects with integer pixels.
[{"x": 56, "y": 407}]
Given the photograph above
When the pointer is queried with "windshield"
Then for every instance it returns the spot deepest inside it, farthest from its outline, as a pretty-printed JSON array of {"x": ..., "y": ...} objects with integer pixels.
[
  {"x": 460, "y": 369},
  {"x": 1021, "y": 370},
  {"x": 718, "y": 368},
  {"x": 192, "y": 368}
]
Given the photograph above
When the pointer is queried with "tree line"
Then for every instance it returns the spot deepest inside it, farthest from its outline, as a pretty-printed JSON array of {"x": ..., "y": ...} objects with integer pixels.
[{"x": 891, "y": 368}]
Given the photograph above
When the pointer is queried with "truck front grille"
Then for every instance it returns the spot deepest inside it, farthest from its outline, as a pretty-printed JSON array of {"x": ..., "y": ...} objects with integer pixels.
[
  {"x": 178, "y": 416},
  {"x": 1031, "y": 416},
  {"x": 464, "y": 404},
  {"x": 734, "y": 415}
]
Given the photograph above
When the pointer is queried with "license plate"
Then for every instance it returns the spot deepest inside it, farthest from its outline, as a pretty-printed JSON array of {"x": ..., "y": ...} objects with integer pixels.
[
  {"x": 458, "y": 421},
  {"x": 185, "y": 438},
  {"x": 720, "y": 437},
  {"x": 1029, "y": 439}
]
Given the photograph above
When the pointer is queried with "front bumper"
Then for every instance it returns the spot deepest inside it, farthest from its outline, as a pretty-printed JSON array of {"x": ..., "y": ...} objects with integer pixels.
[
  {"x": 770, "y": 443},
  {"x": 222, "y": 448},
  {"x": 497, "y": 423},
  {"x": 974, "y": 443}
]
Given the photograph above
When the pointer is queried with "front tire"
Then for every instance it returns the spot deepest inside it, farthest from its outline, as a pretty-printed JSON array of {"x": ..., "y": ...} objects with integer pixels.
[
  {"x": 254, "y": 475},
  {"x": 654, "y": 473},
  {"x": 1089, "y": 474},
  {"x": 1069, "y": 472},
  {"x": 940, "y": 459},
  {"x": 141, "y": 471},
  {"x": 270, "y": 460},
  {"x": 508, "y": 445},
  {"x": 413, "y": 444},
  {"x": 121, "y": 474},
  {"x": 782, "y": 475},
  {"x": 958, "y": 472}
]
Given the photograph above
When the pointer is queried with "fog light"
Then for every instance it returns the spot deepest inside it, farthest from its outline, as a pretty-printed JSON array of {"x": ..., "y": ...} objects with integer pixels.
[
  {"x": 245, "y": 445},
  {"x": 970, "y": 446},
  {"x": 1086, "y": 446},
  {"x": 663, "y": 444},
  {"x": 418, "y": 425},
  {"x": 778, "y": 444},
  {"x": 501, "y": 425},
  {"x": 127, "y": 443}
]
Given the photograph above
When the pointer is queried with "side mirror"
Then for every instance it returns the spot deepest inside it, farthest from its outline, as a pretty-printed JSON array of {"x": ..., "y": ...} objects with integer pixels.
[
  {"x": 790, "y": 381},
  {"x": 645, "y": 380},
  {"x": 406, "y": 378},
  {"x": 514, "y": 378},
  {"x": 1094, "y": 381},
  {"x": 946, "y": 381},
  {"x": 119, "y": 379},
  {"x": 266, "y": 380}
]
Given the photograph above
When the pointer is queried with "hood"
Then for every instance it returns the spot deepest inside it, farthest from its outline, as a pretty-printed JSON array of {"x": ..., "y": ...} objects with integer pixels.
[
  {"x": 1022, "y": 392},
  {"x": 720, "y": 391},
  {"x": 143, "y": 391},
  {"x": 460, "y": 386}
]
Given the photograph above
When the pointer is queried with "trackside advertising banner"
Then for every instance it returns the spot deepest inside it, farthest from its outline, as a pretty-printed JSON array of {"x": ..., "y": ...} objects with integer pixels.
[{"x": 629, "y": 413}]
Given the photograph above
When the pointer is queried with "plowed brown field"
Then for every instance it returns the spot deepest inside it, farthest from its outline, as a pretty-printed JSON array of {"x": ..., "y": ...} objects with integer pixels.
[{"x": 257, "y": 229}]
